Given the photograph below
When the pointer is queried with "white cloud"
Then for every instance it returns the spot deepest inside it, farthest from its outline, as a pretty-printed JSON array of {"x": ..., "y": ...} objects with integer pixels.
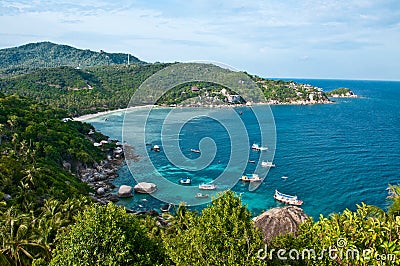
[{"x": 248, "y": 34}]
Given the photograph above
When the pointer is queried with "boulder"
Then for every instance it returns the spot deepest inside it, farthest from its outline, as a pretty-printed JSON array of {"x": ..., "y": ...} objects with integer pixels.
[
  {"x": 125, "y": 191},
  {"x": 113, "y": 198},
  {"x": 280, "y": 221},
  {"x": 144, "y": 187},
  {"x": 101, "y": 191}
]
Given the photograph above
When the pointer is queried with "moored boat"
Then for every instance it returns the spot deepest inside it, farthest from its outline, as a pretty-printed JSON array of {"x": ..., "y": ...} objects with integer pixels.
[
  {"x": 253, "y": 178},
  {"x": 207, "y": 186},
  {"x": 267, "y": 164},
  {"x": 155, "y": 148},
  {"x": 201, "y": 195},
  {"x": 186, "y": 180},
  {"x": 287, "y": 199},
  {"x": 257, "y": 147}
]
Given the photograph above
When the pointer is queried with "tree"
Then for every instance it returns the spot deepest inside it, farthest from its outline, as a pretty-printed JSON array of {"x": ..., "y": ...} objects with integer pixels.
[
  {"x": 222, "y": 235},
  {"x": 107, "y": 235},
  {"x": 394, "y": 197}
]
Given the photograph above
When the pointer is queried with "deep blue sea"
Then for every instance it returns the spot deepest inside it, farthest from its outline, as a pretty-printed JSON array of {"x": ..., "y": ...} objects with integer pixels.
[{"x": 334, "y": 155}]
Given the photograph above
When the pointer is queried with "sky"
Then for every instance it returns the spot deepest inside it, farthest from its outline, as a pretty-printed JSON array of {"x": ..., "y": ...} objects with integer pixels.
[{"x": 341, "y": 39}]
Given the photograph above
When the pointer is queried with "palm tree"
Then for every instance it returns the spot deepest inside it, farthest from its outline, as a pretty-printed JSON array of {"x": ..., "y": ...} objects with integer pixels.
[{"x": 18, "y": 245}]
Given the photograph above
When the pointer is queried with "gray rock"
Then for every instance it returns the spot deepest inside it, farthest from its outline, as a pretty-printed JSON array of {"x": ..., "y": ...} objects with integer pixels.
[
  {"x": 144, "y": 187},
  {"x": 125, "y": 191},
  {"x": 280, "y": 221},
  {"x": 101, "y": 191},
  {"x": 113, "y": 198}
]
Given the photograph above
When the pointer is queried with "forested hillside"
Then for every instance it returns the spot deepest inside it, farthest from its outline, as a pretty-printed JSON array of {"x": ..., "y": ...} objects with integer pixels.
[
  {"x": 34, "y": 56},
  {"x": 81, "y": 91}
]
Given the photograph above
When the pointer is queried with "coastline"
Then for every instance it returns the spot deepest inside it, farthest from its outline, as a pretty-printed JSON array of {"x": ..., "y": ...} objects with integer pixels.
[
  {"x": 94, "y": 115},
  {"x": 83, "y": 118}
]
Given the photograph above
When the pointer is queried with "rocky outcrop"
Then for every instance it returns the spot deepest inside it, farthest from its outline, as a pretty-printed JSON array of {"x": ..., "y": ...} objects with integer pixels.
[
  {"x": 144, "y": 187},
  {"x": 100, "y": 177},
  {"x": 280, "y": 221},
  {"x": 125, "y": 191}
]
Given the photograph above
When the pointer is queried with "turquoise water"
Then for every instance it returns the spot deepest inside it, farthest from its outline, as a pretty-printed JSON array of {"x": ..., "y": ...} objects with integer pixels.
[{"x": 335, "y": 156}]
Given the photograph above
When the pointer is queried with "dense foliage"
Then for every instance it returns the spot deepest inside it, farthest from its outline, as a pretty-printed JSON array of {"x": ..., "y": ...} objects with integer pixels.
[
  {"x": 279, "y": 91},
  {"x": 107, "y": 235},
  {"x": 367, "y": 236},
  {"x": 81, "y": 91},
  {"x": 199, "y": 92},
  {"x": 41, "y": 197},
  {"x": 341, "y": 92},
  {"x": 26, "y": 236},
  {"x": 222, "y": 235},
  {"x": 34, "y": 144},
  {"x": 33, "y": 56}
]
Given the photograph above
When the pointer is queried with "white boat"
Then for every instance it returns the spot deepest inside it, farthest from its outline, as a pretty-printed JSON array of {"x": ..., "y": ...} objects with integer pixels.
[
  {"x": 267, "y": 164},
  {"x": 284, "y": 177},
  {"x": 186, "y": 180},
  {"x": 253, "y": 178},
  {"x": 287, "y": 199},
  {"x": 155, "y": 148},
  {"x": 201, "y": 195},
  {"x": 207, "y": 186},
  {"x": 195, "y": 151},
  {"x": 257, "y": 147}
]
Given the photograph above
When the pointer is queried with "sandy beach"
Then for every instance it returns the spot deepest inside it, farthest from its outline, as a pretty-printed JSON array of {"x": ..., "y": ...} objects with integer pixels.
[{"x": 90, "y": 116}]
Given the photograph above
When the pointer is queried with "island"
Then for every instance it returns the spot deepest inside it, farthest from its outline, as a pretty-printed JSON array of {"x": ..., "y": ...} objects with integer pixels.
[{"x": 341, "y": 93}]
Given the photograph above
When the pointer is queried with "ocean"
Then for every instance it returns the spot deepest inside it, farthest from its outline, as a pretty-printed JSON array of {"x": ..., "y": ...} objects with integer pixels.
[{"x": 335, "y": 156}]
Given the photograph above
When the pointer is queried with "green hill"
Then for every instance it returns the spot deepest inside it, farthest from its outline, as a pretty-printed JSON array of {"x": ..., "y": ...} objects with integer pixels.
[
  {"x": 33, "y": 56},
  {"x": 81, "y": 91}
]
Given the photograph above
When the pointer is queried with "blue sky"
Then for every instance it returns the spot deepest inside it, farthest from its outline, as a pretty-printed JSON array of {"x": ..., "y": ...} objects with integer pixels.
[{"x": 310, "y": 39}]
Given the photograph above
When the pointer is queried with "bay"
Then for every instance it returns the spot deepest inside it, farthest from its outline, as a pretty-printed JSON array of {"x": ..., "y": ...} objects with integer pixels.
[{"x": 335, "y": 155}]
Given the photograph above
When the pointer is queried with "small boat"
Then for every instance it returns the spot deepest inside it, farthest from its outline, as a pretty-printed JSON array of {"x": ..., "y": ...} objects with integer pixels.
[
  {"x": 207, "y": 186},
  {"x": 252, "y": 161},
  {"x": 253, "y": 178},
  {"x": 201, "y": 195},
  {"x": 287, "y": 199},
  {"x": 185, "y": 181},
  {"x": 166, "y": 207},
  {"x": 267, "y": 164},
  {"x": 284, "y": 177},
  {"x": 195, "y": 151},
  {"x": 155, "y": 148},
  {"x": 257, "y": 147}
]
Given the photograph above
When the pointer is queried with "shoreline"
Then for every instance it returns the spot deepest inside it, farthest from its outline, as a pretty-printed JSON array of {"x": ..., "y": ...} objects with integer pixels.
[{"x": 83, "y": 118}]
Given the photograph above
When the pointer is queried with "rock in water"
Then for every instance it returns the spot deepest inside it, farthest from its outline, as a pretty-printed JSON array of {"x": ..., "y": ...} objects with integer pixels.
[
  {"x": 280, "y": 221},
  {"x": 125, "y": 191},
  {"x": 144, "y": 187}
]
